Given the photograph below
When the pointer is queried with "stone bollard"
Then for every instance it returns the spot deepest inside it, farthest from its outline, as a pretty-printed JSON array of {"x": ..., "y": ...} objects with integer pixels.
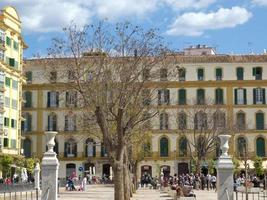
[
  {"x": 50, "y": 169},
  {"x": 37, "y": 177},
  {"x": 225, "y": 169}
]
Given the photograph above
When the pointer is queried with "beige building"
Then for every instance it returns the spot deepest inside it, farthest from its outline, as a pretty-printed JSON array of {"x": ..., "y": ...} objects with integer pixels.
[
  {"x": 236, "y": 83},
  {"x": 11, "y": 80}
]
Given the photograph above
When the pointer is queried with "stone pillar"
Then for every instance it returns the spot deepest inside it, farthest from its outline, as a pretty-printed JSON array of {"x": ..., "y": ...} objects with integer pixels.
[
  {"x": 50, "y": 169},
  {"x": 37, "y": 177},
  {"x": 225, "y": 170}
]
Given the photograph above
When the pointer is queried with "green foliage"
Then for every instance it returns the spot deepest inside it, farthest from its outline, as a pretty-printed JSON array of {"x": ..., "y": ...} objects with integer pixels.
[
  {"x": 6, "y": 162},
  {"x": 29, "y": 165},
  {"x": 236, "y": 163},
  {"x": 211, "y": 166},
  {"x": 258, "y": 166}
]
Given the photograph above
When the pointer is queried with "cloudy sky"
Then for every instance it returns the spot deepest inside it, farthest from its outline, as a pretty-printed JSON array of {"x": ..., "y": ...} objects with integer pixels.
[{"x": 231, "y": 26}]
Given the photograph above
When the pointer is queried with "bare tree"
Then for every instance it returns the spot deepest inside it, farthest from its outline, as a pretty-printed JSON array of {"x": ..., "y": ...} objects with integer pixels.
[
  {"x": 111, "y": 69},
  {"x": 201, "y": 123}
]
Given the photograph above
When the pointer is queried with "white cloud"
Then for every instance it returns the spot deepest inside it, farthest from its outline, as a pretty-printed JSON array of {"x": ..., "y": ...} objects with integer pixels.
[
  {"x": 189, "y": 4},
  {"x": 52, "y": 15},
  {"x": 260, "y": 2},
  {"x": 196, "y": 23}
]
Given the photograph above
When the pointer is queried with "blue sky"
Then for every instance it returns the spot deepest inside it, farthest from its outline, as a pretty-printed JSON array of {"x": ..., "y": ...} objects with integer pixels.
[{"x": 231, "y": 26}]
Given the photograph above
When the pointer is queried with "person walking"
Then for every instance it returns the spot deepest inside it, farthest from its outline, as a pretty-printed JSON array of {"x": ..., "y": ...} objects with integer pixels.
[
  {"x": 84, "y": 183},
  {"x": 213, "y": 182}
]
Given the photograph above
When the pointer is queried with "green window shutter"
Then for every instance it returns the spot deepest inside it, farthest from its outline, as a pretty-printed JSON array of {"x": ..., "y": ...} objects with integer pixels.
[
  {"x": 164, "y": 148},
  {"x": 29, "y": 76},
  {"x": 182, "y": 97},
  {"x": 254, "y": 71},
  {"x": 15, "y": 45},
  {"x": 48, "y": 99},
  {"x": 259, "y": 121},
  {"x": 159, "y": 97},
  {"x": 235, "y": 96},
  {"x": 219, "y": 96},
  {"x": 12, "y": 62},
  {"x": 200, "y": 96},
  {"x": 260, "y": 147},
  {"x": 7, "y": 81},
  {"x": 239, "y": 73},
  {"x": 29, "y": 123},
  {"x": 245, "y": 96},
  {"x": 263, "y": 94},
  {"x": 8, "y": 41},
  {"x": 219, "y": 72},
  {"x": 28, "y": 103},
  {"x": 254, "y": 96}
]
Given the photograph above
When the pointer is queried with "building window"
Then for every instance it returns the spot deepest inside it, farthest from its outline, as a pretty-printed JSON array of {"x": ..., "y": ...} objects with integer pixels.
[
  {"x": 259, "y": 96},
  {"x": 28, "y": 75},
  {"x": 219, "y": 96},
  {"x": 257, "y": 72},
  {"x": 219, "y": 74},
  {"x": 14, "y": 104},
  {"x": 6, "y": 121},
  {"x": 181, "y": 74},
  {"x": 13, "y": 123},
  {"x": 15, "y": 85},
  {"x": 183, "y": 147},
  {"x": 8, "y": 41},
  {"x": 26, "y": 125},
  {"x": 8, "y": 81},
  {"x": 218, "y": 120},
  {"x": 90, "y": 148},
  {"x": 27, "y": 146},
  {"x": 28, "y": 99},
  {"x": 260, "y": 121},
  {"x": 182, "y": 122},
  {"x": 104, "y": 152},
  {"x": 260, "y": 147},
  {"x": 200, "y": 121},
  {"x": 53, "y": 76},
  {"x": 241, "y": 147},
  {"x": 52, "y": 99},
  {"x": 7, "y": 102},
  {"x": 163, "y": 74},
  {"x": 147, "y": 149},
  {"x": 71, "y": 99},
  {"x": 164, "y": 121},
  {"x": 240, "y": 96},
  {"x": 182, "y": 97},
  {"x": 6, "y": 142},
  {"x": 52, "y": 122},
  {"x": 70, "y": 148},
  {"x": 2, "y": 55},
  {"x": 163, "y": 97},
  {"x": 241, "y": 121},
  {"x": 164, "y": 147},
  {"x": 200, "y": 96},
  {"x": 240, "y": 73},
  {"x": 146, "y": 74},
  {"x": 71, "y": 75},
  {"x": 15, "y": 45},
  {"x": 70, "y": 122},
  {"x": 2, "y": 37},
  {"x": 200, "y": 74},
  {"x": 13, "y": 143}
]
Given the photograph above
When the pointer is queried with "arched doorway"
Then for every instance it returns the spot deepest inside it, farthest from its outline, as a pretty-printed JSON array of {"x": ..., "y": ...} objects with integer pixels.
[
  {"x": 183, "y": 168},
  {"x": 70, "y": 170},
  {"x": 146, "y": 169},
  {"x": 106, "y": 170},
  {"x": 166, "y": 170},
  {"x": 89, "y": 168}
]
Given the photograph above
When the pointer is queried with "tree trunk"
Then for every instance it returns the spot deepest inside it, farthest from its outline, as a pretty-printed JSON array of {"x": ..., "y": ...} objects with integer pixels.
[
  {"x": 135, "y": 186},
  {"x": 127, "y": 182},
  {"x": 118, "y": 182}
]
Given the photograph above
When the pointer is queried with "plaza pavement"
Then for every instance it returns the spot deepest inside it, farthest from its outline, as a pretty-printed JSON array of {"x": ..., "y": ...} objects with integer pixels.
[{"x": 106, "y": 192}]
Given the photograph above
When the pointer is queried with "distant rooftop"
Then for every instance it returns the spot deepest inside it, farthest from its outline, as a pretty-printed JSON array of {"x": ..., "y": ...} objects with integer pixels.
[{"x": 199, "y": 50}]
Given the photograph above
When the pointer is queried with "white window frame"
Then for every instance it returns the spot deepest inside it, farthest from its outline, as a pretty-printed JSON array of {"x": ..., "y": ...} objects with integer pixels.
[{"x": 240, "y": 96}]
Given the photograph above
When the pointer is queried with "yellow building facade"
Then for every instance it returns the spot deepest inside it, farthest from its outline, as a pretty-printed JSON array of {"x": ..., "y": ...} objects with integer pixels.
[
  {"x": 11, "y": 80},
  {"x": 236, "y": 83}
]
